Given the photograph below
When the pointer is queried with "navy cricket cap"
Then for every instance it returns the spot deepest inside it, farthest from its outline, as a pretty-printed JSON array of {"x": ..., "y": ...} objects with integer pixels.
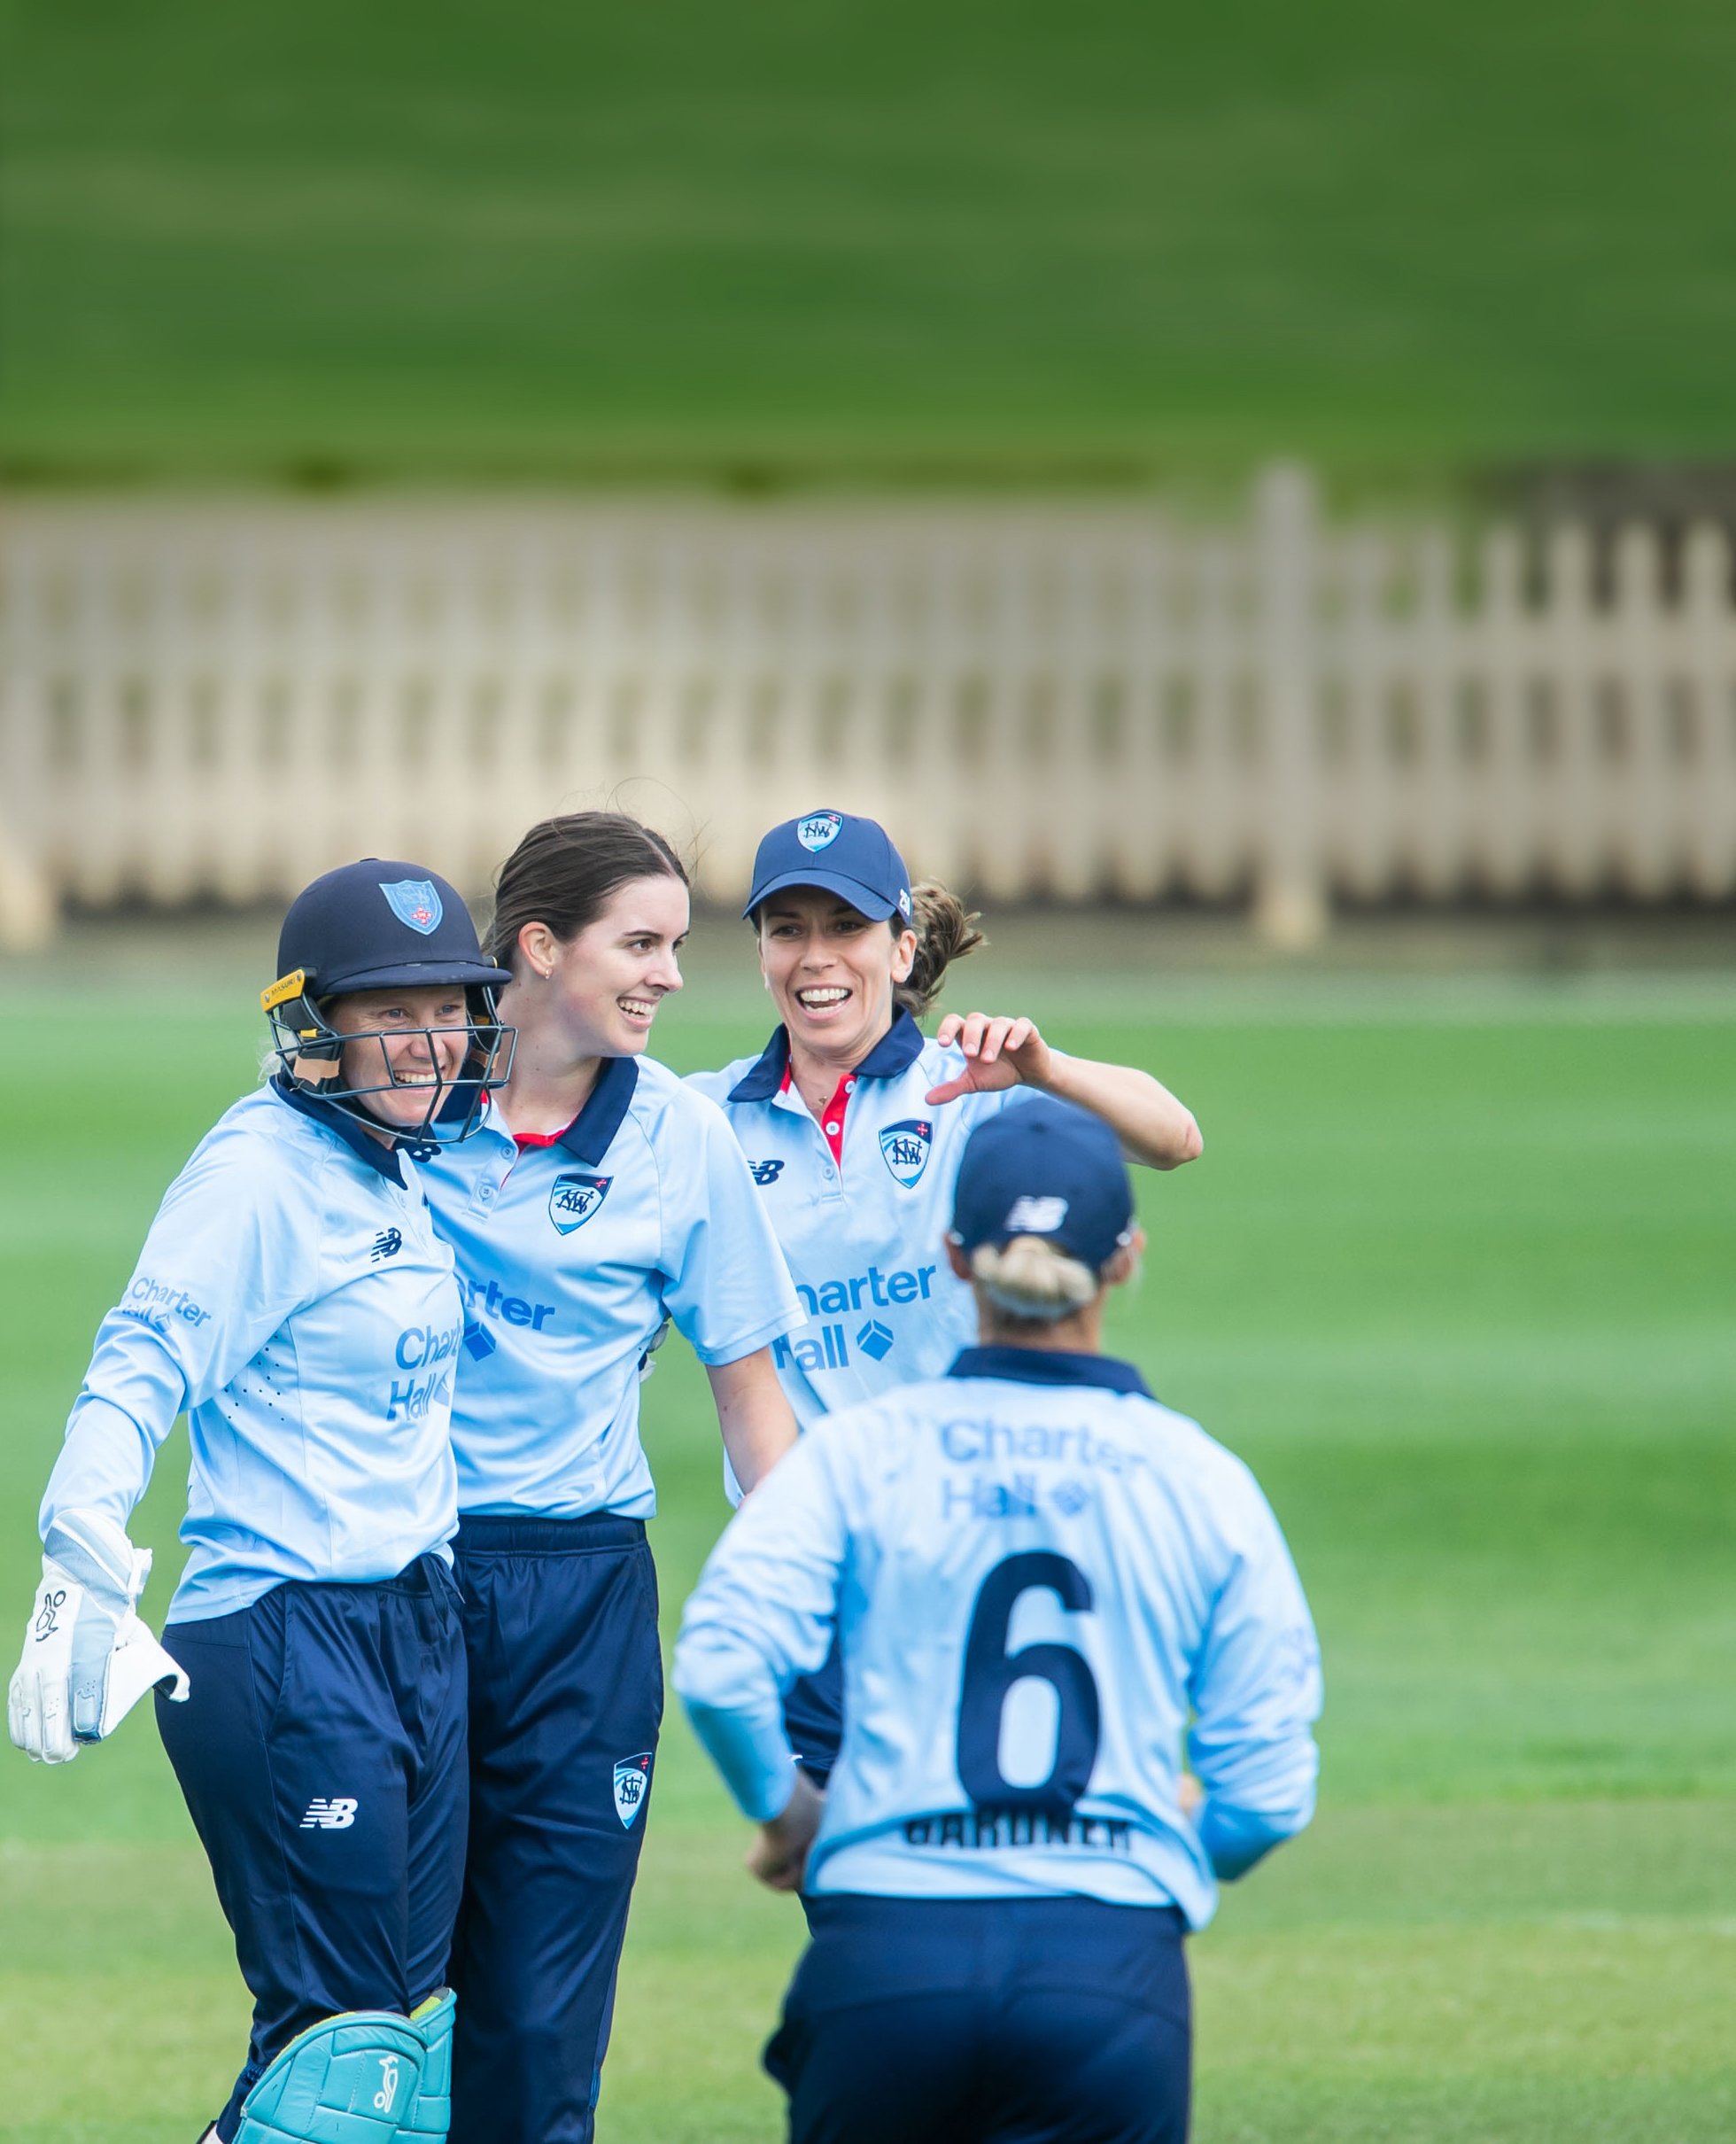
[
  {"x": 1043, "y": 1168},
  {"x": 372, "y": 925},
  {"x": 852, "y": 857}
]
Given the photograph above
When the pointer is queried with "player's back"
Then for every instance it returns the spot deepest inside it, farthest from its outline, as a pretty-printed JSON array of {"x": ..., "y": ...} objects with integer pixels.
[{"x": 1039, "y": 1573}]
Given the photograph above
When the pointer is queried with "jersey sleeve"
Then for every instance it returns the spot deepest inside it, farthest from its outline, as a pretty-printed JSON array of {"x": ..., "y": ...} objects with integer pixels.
[
  {"x": 764, "y": 1613},
  {"x": 726, "y": 1282},
  {"x": 1255, "y": 1694},
  {"x": 229, "y": 1256}
]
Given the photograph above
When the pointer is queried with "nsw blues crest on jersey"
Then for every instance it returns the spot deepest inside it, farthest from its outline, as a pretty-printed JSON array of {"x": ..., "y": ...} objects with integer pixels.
[
  {"x": 819, "y": 829},
  {"x": 633, "y": 1783},
  {"x": 904, "y": 1147},
  {"x": 416, "y": 902},
  {"x": 574, "y": 1197}
]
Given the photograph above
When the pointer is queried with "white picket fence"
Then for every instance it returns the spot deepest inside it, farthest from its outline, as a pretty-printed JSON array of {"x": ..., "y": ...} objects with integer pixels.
[{"x": 220, "y": 699}]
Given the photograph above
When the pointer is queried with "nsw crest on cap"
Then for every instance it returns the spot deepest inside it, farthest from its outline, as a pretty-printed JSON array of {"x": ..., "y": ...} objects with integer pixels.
[
  {"x": 573, "y": 1199},
  {"x": 819, "y": 829},
  {"x": 905, "y": 1148},
  {"x": 416, "y": 902}
]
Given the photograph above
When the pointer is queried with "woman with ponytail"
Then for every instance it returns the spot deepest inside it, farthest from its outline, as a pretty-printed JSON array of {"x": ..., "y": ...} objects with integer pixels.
[
  {"x": 599, "y": 1200},
  {"x": 853, "y": 1123},
  {"x": 999, "y": 1889}
]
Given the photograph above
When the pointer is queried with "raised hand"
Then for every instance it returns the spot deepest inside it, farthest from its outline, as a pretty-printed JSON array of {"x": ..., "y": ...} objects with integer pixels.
[{"x": 999, "y": 1051}]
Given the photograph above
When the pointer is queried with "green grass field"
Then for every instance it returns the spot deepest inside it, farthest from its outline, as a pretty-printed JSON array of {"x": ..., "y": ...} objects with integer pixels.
[
  {"x": 1454, "y": 1275},
  {"x": 843, "y": 243}
]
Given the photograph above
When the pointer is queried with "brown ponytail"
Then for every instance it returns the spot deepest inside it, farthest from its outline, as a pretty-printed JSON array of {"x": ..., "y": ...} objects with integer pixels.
[
  {"x": 945, "y": 932},
  {"x": 563, "y": 871}
]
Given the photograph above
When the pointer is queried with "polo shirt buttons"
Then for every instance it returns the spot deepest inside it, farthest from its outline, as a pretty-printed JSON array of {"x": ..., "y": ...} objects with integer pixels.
[{"x": 832, "y": 1131}]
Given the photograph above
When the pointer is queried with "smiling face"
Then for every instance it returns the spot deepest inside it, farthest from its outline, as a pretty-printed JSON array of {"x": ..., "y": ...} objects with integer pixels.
[
  {"x": 602, "y": 987},
  {"x": 409, "y": 1040},
  {"x": 830, "y": 971}
]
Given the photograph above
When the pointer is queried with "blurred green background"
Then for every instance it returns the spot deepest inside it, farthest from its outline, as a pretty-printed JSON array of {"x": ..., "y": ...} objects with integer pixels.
[
  {"x": 1453, "y": 1275},
  {"x": 841, "y": 242}
]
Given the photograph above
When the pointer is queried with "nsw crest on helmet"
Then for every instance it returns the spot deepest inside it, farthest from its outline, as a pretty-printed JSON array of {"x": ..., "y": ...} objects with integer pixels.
[
  {"x": 819, "y": 829},
  {"x": 905, "y": 1146},
  {"x": 416, "y": 902},
  {"x": 574, "y": 1198}
]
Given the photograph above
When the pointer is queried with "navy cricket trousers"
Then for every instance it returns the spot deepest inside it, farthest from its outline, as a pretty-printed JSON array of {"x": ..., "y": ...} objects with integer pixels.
[
  {"x": 566, "y": 1699},
  {"x": 986, "y": 2021},
  {"x": 321, "y": 1753}
]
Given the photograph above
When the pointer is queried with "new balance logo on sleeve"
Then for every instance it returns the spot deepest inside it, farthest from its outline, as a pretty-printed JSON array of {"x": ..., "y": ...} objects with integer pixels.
[{"x": 337, "y": 1814}]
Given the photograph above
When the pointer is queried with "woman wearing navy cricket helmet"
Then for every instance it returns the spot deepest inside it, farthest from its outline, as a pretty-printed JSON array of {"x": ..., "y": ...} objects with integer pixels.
[
  {"x": 1047, "y": 1584},
  {"x": 293, "y": 1298},
  {"x": 600, "y": 1200},
  {"x": 854, "y": 1123}
]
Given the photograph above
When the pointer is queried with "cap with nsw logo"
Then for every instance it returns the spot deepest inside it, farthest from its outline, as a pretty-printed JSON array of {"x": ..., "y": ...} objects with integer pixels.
[
  {"x": 1044, "y": 1167},
  {"x": 852, "y": 857}
]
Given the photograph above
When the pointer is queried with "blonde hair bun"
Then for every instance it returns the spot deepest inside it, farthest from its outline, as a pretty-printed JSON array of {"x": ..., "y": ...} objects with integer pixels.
[{"x": 1029, "y": 1277}]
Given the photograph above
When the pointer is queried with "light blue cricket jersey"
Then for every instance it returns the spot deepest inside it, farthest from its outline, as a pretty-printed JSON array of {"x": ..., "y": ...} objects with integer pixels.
[
  {"x": 573, "y": 1253},
  {"x": 865, "y": 1242},
  {"x": 293, "y": 1298},
  {"x": 1038, "y": 1574}
]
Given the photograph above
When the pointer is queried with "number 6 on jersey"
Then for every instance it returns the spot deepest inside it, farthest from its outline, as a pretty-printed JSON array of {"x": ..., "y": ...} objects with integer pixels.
[{"x": 991, "y": 1672}]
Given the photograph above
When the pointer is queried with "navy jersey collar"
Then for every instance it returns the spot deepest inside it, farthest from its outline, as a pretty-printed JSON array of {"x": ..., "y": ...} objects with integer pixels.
[
  {"x": 588, "y": 1136},
  {"x": 896, "y": 1051},
  {"x": 1048, "y": 1367},
  {"x": 766, "y": 1076},
  {"x": 384, "y": 1159}
]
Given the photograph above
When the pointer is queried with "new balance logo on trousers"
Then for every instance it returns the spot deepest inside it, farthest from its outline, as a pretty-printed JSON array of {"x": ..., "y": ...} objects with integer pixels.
[{"x": 337, "y": 1814}]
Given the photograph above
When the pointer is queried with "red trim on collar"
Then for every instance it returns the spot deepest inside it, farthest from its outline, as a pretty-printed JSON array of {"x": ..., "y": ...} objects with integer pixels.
[
  {"x": 831, "y": 1120},
  {"x": 522, "y": 1139}
]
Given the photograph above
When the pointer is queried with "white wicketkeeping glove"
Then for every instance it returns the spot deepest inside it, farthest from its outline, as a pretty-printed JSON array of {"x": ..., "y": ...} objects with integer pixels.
[{"x": 88, "y": 1659}]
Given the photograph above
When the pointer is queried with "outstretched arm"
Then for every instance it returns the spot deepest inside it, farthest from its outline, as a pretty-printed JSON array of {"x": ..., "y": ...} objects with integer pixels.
[
  {"x": 1153, "y": 1127},
  {"x": 226, "y": 1258}
]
